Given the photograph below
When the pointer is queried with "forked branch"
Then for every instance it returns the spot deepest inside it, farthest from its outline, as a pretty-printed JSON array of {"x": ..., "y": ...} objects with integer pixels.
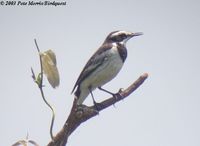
[{"x": 82, "y": 113}]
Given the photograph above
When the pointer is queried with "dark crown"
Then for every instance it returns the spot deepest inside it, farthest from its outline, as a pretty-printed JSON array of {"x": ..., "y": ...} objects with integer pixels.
[{"x": 118, "y": 36}]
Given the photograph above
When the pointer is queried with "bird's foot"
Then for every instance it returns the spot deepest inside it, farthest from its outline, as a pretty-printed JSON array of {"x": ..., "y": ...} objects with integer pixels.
[
  {"x": 118, "y": 95},
  {"x": 97, "y": 106}
]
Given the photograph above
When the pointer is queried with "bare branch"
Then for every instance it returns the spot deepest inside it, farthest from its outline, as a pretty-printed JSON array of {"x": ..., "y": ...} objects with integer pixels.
[{"x": 82, "y": 113}]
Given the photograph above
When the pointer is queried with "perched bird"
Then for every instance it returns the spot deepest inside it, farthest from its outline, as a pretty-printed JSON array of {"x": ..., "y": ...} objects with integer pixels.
[{"x": 104, "y": 65}]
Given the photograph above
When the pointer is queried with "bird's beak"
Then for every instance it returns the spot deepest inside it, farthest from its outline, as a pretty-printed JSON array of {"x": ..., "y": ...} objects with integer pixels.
[
  {"x": 136, "y": 34},
  {"x": 131, "y": 34}
]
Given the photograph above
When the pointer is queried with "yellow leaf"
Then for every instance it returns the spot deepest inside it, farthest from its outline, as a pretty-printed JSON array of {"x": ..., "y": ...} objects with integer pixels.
[{"x": 50, "y": 68}]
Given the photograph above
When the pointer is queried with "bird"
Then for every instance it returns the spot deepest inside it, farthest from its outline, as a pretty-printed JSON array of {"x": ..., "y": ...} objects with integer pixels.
[{"x": 103, "y": 65}]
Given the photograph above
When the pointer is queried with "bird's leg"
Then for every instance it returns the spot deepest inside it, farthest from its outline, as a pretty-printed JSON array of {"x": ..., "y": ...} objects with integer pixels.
[
  {"x": 92, "y": 95},
  {"x": 113, "y": 94},
  {"x": 95, "y": 103},
  {"x": 100, "y": 88}
]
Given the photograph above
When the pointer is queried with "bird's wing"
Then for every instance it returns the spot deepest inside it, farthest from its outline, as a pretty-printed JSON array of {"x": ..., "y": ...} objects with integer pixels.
[{"x": 93, "y": 63}]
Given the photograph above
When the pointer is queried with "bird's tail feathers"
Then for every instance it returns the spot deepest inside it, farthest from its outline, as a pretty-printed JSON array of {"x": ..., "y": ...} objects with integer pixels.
[{"x": 78, "y": 101}]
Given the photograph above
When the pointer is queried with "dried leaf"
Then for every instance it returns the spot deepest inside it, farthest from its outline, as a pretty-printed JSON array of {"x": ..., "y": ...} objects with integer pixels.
[{"x": 50, "y": 68}]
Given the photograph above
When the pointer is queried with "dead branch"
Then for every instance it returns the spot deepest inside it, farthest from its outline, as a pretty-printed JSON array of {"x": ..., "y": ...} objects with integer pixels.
[{"x": 82, "y": 113}]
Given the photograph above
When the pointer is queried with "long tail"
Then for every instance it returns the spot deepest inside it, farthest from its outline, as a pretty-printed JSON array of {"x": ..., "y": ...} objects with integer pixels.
[
  {"x": 79, "y": 101},
  {"x": 80, "y": 98}
]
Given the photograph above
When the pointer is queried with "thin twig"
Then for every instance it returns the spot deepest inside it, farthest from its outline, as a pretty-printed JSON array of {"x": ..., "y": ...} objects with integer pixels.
[
  {"x": 40, "y": 85},
  {"x": 41, "y": 66}
]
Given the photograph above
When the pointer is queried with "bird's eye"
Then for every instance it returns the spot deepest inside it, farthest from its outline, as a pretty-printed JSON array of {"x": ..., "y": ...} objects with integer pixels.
[
  {"x": 123, "y": 36},
  {"x": 119, "y": 37}
]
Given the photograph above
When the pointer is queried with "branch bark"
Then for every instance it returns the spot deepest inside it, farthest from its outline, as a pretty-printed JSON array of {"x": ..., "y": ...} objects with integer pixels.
[{"x": 82, "y": 113}]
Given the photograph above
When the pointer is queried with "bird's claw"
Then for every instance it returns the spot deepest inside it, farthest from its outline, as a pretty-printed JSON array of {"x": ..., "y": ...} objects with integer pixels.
[{"x": 97, "y": 106}]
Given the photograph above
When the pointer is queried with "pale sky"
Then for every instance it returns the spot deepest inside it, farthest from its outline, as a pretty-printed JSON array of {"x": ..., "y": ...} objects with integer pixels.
[{"x": 164, "y": 111}]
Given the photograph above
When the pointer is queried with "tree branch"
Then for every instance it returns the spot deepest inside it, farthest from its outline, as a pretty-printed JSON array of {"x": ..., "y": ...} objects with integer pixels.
[{"x": 81, "y": 113}]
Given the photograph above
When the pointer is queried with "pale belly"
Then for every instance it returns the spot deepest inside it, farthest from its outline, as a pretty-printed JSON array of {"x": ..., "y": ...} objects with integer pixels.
[
  {"x": 108, "y": 70},
  {"x": 103, "y": 74}
]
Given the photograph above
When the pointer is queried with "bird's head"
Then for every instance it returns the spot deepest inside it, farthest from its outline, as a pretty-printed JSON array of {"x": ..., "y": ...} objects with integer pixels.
[{"x": 120, "y": 36}]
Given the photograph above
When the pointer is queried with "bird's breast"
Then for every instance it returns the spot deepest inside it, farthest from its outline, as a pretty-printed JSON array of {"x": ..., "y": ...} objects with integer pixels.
[{"x": 109, "y": 68}]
